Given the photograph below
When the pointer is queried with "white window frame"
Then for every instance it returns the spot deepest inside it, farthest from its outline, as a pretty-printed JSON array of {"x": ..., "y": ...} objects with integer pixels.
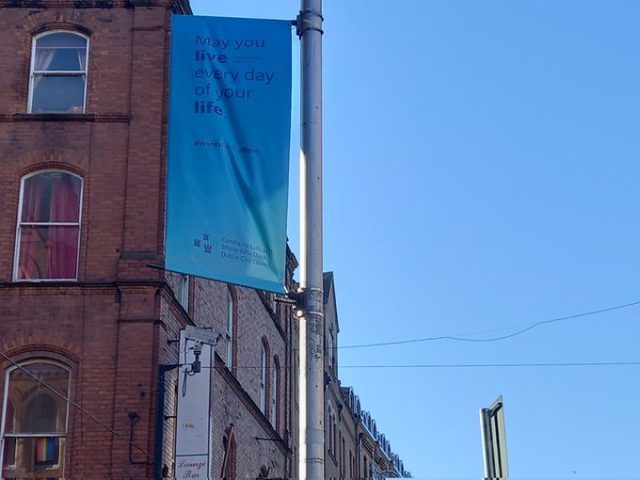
[
  {"x": 7, "y": 374},
  {"x": 20, "y": 224},
  {"x": 33, "y": 72}
]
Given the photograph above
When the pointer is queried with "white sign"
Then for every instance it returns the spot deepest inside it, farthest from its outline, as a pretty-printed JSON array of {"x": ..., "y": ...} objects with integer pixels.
[{"x": 193, "y": 422}]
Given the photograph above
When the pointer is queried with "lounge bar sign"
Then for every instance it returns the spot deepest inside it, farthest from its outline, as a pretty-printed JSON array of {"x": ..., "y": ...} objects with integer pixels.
[{"x": 193, "y": 421}]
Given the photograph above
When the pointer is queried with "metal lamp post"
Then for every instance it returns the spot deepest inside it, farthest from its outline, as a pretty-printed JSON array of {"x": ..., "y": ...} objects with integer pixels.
[{"x": 309, "y": 26}]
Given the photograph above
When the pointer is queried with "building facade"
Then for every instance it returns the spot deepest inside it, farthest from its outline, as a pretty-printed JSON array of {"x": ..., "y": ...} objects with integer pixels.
[{"x": 89, "y": 321}]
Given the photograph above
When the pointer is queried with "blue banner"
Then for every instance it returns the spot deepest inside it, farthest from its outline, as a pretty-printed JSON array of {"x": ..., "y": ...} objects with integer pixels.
[{"x": 228, "y": 163}]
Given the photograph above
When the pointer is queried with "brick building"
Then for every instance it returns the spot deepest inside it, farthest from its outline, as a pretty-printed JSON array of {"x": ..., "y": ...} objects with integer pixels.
[
  {"x": 87, "y": 326},
  {"x": 354, "y": 447}
]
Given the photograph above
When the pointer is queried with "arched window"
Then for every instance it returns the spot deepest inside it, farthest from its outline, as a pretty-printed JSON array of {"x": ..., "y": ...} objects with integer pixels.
[
  {"x": 229, "y": 459},
  {"x": 354, "y": 466},
  {"x": 335, "y": 444},
  {"x": 264, "y": 377},
  {"x": 340, "y": 451},
  {"x": 329, "y": 348},
  {"x": 329, "y": 429},
  {"x": 342, "y": 456},
  {"x": 48, "y": 234},
  {"x": 230, "y": 334},
  {"x": 35, "y": 420},
  {"x": 275, "y": 388},
  {"x": 58, "y": 81},
  {"x": 183, "y": 290}
]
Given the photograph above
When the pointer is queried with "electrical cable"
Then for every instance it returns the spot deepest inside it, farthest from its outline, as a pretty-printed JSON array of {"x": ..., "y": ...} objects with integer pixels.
[
  {"x": 499, "y": 365},
  {"x": 491, "y": 339},
  {"x": 465, "y": 365}
]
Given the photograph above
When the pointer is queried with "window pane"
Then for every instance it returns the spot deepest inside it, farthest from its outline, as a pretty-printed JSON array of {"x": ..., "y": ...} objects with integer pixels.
[
  {"x": 274, "y": 393},
  {"x": 62, "y": 39},
  {"x": 34, "y": 457},
  {"x": 263, "y": 380},
  {"x": 60, "y": 59},
  {"x": 9, "y": 455},
  {"x": 229, "y": 335},
  {"x": 51, "y": 197},
  {"x": 41, "y": 414},
  {"x": 38, "y": 409},
  {"x": 61, "y": 92},
  {"x": 55, "y": 93},
  {"x": 9, "y": 417},
  {"x": 48, "y": 252}
]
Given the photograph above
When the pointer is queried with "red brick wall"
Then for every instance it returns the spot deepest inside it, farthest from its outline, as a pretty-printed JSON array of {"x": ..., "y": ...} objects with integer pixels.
[
  {"x": 105, "y": 325},
  {"x": 112, "y": 326}
]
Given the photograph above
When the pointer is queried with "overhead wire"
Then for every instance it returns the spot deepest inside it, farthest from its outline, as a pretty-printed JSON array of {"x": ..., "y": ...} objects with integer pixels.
[
  {"x": 459, "y": 365},
  {"x": 499, "y": 365},
  {"x": 458, "y": 338}
]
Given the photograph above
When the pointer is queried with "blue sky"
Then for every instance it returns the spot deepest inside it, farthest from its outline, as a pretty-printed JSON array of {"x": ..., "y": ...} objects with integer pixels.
[{"x": 482, "y": 162}]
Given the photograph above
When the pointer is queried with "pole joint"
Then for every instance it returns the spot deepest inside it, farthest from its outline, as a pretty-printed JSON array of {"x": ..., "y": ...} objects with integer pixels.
[
  {"x": 308, "y": 20},
  {"x": 312, "y": 299}
]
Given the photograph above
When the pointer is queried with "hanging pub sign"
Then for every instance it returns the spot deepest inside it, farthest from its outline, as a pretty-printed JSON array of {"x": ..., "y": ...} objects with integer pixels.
[
  {"x": 193, "y": 417},
  {"x": 228, "y": 161}
]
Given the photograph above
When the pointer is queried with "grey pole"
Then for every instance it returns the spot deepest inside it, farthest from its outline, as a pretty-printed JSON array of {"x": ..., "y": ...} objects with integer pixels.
[
  {"x": 311, "y": 439},
  {"x": 494, "y": 442},
  {"x": 487, "y": 444}
]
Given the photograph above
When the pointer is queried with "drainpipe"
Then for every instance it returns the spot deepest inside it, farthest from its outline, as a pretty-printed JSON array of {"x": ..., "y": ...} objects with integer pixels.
[{"x": 160, "y": 419}]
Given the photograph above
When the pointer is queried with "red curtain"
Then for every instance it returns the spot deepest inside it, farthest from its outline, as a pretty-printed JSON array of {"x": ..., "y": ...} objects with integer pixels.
[
  {"x": 49, "y": 251},
  {"x": 63, "y": 240},
  {"x": 28, "y": 264}
]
